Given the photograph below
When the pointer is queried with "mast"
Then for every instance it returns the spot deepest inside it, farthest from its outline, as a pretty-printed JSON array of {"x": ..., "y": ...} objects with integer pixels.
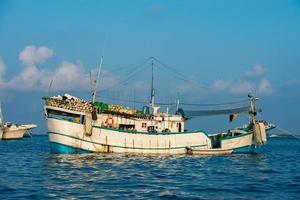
[
  {"x": 177, "y": 102},
  {"x": 177, "y": 105},
  {"x": 1, "y": 123},
  {"x": 152, "y": 84},
  {"x": 252, "y": 111},
  {"x": 152, "y": 100},
  {"x": 1, "y": 116}
]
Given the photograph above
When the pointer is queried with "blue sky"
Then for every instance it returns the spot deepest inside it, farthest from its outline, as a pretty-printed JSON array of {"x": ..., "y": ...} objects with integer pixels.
[{"x": 230, "y": 47}]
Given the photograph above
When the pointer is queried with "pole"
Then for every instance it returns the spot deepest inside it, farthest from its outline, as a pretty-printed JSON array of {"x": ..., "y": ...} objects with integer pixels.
[
  {"x": 97, "y": 81},
  {"x": 152, "y": 84}
]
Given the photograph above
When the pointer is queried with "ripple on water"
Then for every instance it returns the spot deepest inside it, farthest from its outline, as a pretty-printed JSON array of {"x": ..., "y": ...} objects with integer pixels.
[{"x": 29, "y": 171}]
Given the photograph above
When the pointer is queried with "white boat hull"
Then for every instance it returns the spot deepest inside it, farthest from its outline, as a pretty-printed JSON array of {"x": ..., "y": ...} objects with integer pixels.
[
  {"x": 70, "y": 137},
  {"x": 108, "y": 140},
  {"x": 13, "y": 133}
]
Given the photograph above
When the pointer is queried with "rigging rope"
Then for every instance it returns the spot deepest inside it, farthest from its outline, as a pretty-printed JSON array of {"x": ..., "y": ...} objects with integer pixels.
[
  {"x": 181, "y": 75},
  {"x": 134, "y": 101},
  {"x": 128, "y": 68},
  {"x": 177, "y": 75},
  {"x": 134, "y": 71},
  {"x": 194, "y": 113},
  {"x": 287, "y": 132},
  {"x": 163, "y": 67}
]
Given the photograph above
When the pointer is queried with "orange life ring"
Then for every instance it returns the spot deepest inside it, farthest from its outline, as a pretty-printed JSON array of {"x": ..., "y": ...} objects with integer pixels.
[{"x": 109, "y": 121}]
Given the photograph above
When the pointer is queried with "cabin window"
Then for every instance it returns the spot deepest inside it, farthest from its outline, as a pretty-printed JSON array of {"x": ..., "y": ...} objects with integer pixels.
[
  {"x": 151, "y": 129},
  {"x": 144, "y": 125},
  {"x": 126, "y": 127},
  {"x": 70, "y": 117}
]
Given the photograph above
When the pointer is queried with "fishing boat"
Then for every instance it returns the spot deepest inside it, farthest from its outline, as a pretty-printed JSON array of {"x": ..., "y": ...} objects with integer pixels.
[
  {"x": 76, "y": 125},
  {"x": 11, "y": 131}
]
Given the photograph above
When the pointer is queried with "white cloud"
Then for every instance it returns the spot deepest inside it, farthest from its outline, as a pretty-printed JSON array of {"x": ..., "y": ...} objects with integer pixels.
[
  {"x": 256, "y": 71},
  {"x": 31, "y": 55},
  {"x": 233, "y": 87},
  {"x": 67, "y": 76},
  {"x": 73, "y": 76},
  {"x": 265, "y": 87},
  {"x": 30, "y": 76},
  {"x": 242, "y": 87},
  {"x": 28, "y": 79}
]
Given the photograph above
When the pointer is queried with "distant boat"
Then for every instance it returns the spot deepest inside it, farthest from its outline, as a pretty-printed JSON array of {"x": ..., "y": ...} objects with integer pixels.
[
  {"x": 75, "y": 125},
  {"x": 11, "y": 131},
  {"x": 278, "y": 135}
]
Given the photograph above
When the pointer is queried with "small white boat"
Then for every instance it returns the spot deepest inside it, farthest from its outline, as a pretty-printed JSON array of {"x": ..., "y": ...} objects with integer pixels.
[{"x": 11, "y": 131}]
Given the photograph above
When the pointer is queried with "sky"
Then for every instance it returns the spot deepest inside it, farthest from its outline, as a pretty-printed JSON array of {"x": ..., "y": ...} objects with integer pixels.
[{"x": 218, "y": 51}]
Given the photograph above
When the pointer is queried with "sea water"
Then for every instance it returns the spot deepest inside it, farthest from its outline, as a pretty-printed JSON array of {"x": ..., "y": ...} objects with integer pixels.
[{"x": 29, "y": 171}]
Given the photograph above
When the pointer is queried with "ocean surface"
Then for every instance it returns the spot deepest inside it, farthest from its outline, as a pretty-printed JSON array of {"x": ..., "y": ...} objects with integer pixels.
[{"x": 29, "y": 171}]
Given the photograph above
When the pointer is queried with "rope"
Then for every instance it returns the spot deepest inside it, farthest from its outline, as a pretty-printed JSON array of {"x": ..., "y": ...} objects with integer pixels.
[
  {"x": 127, "y": 68},
  {"x": 134, "y": 71},
  {"x": 170, "y": 71},
  {"x": 181, "y": 75},
  {"x": 133, "y": 101},
  {"x": 287, "y": 132}
]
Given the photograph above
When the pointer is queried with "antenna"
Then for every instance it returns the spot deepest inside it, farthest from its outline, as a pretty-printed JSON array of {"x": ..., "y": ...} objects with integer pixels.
[
  {"x": 98, "y": 75},
  {"x": 97, "y": 81},
  {"x": 91, "y": 81},
  {"x": 50, "y": 85}
]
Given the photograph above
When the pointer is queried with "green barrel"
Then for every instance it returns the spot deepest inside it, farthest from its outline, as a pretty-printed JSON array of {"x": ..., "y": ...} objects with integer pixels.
[
  {"x": 104, "y": 106},
  {"x": 98, "y": 104}
]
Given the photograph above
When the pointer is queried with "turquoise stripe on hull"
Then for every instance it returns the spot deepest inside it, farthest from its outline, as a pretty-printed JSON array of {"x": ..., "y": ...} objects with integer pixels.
[
  {"x": 64, "y": 149},
  {"x": 246, "y": 149}
]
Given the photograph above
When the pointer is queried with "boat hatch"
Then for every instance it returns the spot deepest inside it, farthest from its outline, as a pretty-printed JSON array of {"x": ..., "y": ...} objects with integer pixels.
[{"x": 70, "y": 117}]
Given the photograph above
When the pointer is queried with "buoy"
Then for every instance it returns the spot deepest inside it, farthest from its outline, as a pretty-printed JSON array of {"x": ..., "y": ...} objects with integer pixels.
[{"x": 109, "y": 121}]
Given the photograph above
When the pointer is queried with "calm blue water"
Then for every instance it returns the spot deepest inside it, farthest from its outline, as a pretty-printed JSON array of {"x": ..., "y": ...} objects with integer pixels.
[{"x": 29, "y": 171}]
